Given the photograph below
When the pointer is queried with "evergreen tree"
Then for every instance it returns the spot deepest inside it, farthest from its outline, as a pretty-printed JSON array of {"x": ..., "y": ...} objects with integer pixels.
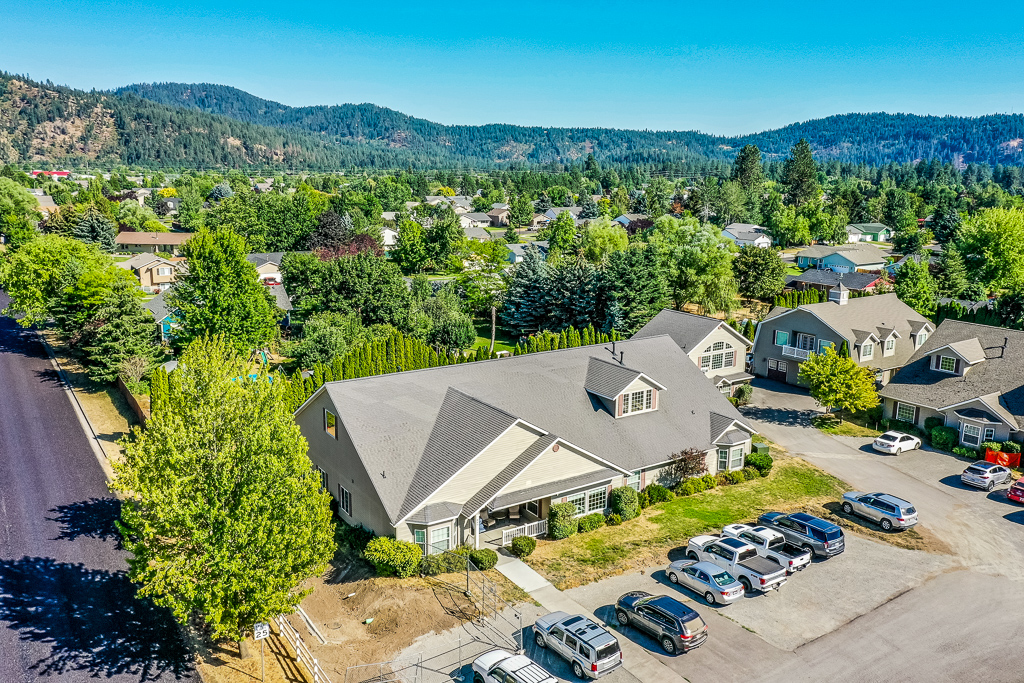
[
  {"x": 914, "y": 286},
  {"x": 444, "y": 238},
  {"x": 800, "y": 174},
  {"x": 633, "y": 284},
  {"x": 748, "y": 171},
  {"x": 525, "y": 304},
  {"x": 125, "y": 342},
  {"x": 750, "y": 329},
  {"x": 844, "y": 349},
  {"x": 95, "y": 228},
  {"x": 572, "y": 294},
  {"x": 588, "y": 208},
  {"x": 544, "y": 203},
  {"x": 952, "y": 280}
]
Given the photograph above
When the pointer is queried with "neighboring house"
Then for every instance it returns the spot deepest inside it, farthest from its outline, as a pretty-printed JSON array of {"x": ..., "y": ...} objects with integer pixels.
[
  {"x": 743, "y": 234},
  {"x": 842, "y": 258},
  {"x": 825, "y": 280},
  {"x": 969, "y": 306},
  {"x": 881, "y": 333},
  {"x": 155, "y": 273},
  {"x": 867, "y": 232},
  {"x": 390, "y": 238},
  {"x": 553, "y": 213},
  {"x": 500, "y": 206},
  {"x": 475, "y": 219},
  {"x": 259, "y": 188},
  {"x": 429, "y": 455},
  {"x": 718, "y": 350},
  {"x": 892, "y": 268},
  {"x": 161, "y": 316},
  {"x": 152, "y": 242},
  {"x": 625, "y": 219},
  {"x": 462, "y": 203},
  {"x": 517, "y": 252},
  {"x": 475, "y": 233},
  {"x": 389, "y": 216},
  {"x": 268, "y": 265},
  {"x": 969, "y": 375},
  {"x": 283, "y": 301},
  {"x": 539, "y": 220},
  {"x": 170, "y": 204},
  {"x": 499, "y": 217}
]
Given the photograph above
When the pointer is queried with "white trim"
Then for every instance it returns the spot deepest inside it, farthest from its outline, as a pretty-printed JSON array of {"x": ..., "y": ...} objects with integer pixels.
[
  {"x": 657, "y": 385},
  {"x": 954, "y": 351},
  {"x": 731, "y": 425},
  {"x": 727, "y": 328},
  {"x": 913, "y": 411},
  {"x": 954, "y": 358}
]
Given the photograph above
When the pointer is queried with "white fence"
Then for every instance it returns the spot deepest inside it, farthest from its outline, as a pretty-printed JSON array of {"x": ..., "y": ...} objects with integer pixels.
[
  {"x": 302, "y": 653},
  {"x": 794, "y": 352},
  {"x": 535, "y": 529}
]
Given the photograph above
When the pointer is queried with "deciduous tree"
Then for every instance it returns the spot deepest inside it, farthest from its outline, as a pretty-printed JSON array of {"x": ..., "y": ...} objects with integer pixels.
[
  {"x": 837, "y": 382},
  {"x": 760, "y": 273}
]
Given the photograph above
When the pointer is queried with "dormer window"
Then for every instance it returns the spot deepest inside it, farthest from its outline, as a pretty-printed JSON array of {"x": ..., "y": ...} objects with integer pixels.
[
  {"x": 890, "y": 347},
  {"x": 717, "y": 356},
  {"x": 922, "y": 337},
  {"x": 637, "y": 401},
  {"x": 867, "y": 350},
  {"x": 947, "y": 364}
]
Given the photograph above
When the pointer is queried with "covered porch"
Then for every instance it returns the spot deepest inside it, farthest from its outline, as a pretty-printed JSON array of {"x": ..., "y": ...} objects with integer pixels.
[{"x": 496, "y": 527}]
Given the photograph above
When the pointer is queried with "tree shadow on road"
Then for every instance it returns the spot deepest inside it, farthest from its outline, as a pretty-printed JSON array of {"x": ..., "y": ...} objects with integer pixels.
[
  {"x": 780, "y": 416},
  {"x": 91, "y": 620},
  {"x": 93, "y": 518}
]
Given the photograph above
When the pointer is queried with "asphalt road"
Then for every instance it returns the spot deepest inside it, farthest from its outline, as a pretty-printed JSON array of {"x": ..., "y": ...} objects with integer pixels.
[{"x": 67, "y": 609}]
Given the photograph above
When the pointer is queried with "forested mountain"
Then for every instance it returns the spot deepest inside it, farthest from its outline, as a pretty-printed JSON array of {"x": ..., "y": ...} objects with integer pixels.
[{"x": 204, "y": 125}]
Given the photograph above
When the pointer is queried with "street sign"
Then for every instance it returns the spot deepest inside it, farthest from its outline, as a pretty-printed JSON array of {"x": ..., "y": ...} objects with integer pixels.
[{"x": 260, "y": 631}]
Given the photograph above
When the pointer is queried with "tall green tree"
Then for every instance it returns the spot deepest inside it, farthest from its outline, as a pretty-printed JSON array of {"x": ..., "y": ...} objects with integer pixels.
[
  {"x": 760, "y": 273},
  {"x": 444, "y": 238},
  {"x": 525, "y": 307},
  {"x": 993, "y": 246},
  {"x": 221, "y": 293},
  {"x": 95, "y": 228},
  {"x": 125, "y": 335},
  {"x": 601, "y": 238},
  {"x": 633, "y": 286},
  {"x": 561, "y": 233},
  {"x": 838, "y": 382},
  {"x": 800, "y": 174},
  {"x": 747, "y": 169},
  {"x": 410, "y": 252},
  {"x": 224, "y": 516},
  {"x": 520, "y": 212},
  {"x": 914, "y": 286},
  {"x": 697, "y": 262},
  {"x": 952, "y": 281}
]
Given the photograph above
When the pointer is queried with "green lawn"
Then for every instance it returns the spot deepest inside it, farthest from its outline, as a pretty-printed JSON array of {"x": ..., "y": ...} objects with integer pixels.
[
  {"x": 647, "y": 540},
  {"x": 793, "y": 270},
  {"x": 502, "y": 340},
  {"x": 830, "y": 424}
]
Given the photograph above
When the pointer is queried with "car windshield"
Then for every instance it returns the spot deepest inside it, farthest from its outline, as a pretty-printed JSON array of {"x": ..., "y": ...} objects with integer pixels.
[
  {"x": 693, "y": 625},
  {"x": 723, "y": 579},
  {"x": 825, "y": 536},
  {"x": 608, "y": 650},
  {"x": 776, "y": 542},
  {"x": 887, "y": 437}
]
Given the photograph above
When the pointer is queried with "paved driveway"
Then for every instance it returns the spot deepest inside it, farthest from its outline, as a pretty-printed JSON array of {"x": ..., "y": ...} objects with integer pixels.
[{"x": 67, "y": 611}]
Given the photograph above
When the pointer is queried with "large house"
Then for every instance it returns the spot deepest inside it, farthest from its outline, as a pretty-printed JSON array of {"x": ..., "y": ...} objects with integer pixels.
[
  {"x": 155, "y": 273},
  {"x": 517, "y": 252},
  {"x": 969, "y": 375},
  {"x": 152, "y": 242},
  {"x": 268, "y": 264},
  {"x": 717, "y": 349},
  {"x": 744, "y": 234},
  {"x": 881, "y": 333},
  {"x": 825, "y": 280},
  {"x": 868, "y": 232},
  {"x": 435, "y": 455},
  {"x": 842, "y": 258}
]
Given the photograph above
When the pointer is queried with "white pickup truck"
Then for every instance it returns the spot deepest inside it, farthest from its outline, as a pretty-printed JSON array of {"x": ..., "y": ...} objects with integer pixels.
[
  {"x": 740, "y": 559},
  {"x": 771, "y": 545}
]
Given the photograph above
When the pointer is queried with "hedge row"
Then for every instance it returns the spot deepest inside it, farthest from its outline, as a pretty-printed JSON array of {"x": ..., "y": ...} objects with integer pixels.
[{"x": 391, "y": 557}]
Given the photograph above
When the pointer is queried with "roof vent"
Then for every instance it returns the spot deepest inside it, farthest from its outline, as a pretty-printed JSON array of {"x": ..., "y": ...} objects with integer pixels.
[{"x": 622, "y": 354}]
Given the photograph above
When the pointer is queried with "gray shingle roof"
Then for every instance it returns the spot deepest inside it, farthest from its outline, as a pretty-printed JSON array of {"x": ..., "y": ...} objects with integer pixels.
[
  {"x": 732, "y": 437},
  {"x": 830, "y": 278},
  {"x": 474, "y": 232},
  {"x": 158, "y": 306},
  {"x": 858, "y": 253},
  {"x": 281, "y": 297},
  {"x": 870, "y": 228},
  {"x": 745, "y": 231},
  {"x": 436, "y": 512},
  {"x": 719, "y": 423},
  {"x": 998, "y": 380},
  {"x": 420, "y": 427},
  {"x": 686, "y": 329},
  {"x": 269, "y": 257},
  {"x": 608, "y": 379},
  {"x": 969, "y": 349},
  {"x": 481, "y": 217}
]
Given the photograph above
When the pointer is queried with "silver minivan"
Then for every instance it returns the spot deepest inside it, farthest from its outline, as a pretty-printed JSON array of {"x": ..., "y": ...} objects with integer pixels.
[
  {"x": 887, "y": 510},
  {"x": 589, "y": 648}
]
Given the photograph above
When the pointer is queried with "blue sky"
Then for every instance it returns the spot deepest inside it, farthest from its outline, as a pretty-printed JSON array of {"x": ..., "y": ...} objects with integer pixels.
[{"x": 719, "y": 67}]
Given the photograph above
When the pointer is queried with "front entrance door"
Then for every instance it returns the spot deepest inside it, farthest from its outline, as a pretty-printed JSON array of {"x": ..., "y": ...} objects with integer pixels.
[{"x": 777, "y": 369}]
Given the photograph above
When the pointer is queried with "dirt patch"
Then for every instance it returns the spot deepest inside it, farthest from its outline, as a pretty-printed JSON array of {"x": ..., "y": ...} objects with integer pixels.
[
  {"x": 220, "y": 663},
  {"x": 918, "y": 538}
]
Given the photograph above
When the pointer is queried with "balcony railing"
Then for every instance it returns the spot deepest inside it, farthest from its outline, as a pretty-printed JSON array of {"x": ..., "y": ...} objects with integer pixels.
[
  {"x": 534, "y": 529},
  {"x": 794, "y": 352}
]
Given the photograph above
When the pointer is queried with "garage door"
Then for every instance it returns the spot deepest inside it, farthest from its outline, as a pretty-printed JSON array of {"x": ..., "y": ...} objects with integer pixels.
[{"x": 777, "y": 369}]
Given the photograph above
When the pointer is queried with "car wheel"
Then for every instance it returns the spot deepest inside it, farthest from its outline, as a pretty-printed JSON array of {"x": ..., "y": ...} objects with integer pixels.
[
  {"x": 622, "y": 617},
  {"x": 692, "y": 555},
  {"x": 991, "y": 485},
  {"x": 673, "y": 578},
  {"x": 847, "y": 508},
  {"x": 885, "y": 524},
  {"x": 577, "y": 669},
  {"x": 539, "y": 639},
  {"x": 746, "y": 584},
  {"x": 709, "y": 598},
  {"x": 668, "y": 646},
  {"x": 897, "y": 451},
  {"x": 807, "y": 549}
]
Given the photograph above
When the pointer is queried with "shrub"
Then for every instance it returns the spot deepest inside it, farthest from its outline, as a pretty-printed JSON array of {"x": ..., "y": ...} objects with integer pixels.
[
  {"x": 484, "y": 558},
  {"x": 991, "y": 446},
  {"x": 750, "y": 473},
  {"x": 522, "y": 546},
  {"x": 944, "y": 438},
  {"x": 743, "y": 393},
  {"x": 594, "y": 520},
  {"x": 391, "y": 557},
  {"x": 644, "y": 500},
  {"x": 762, "y": 463},
  {"x": 723, "y": 479},
  {"x": 900, "y": 426},
  {"x": 613, "y": 520},
  {"x": 562, "y": 521},
  {"x": 696, "y": 485},
  {"x": 1011, "y": 447},
  {"x": 872, "y": 415},
  {"x": 625, "y": 502},
  {"x": 708, "y": 481},
  {"x": 686, "y": 488},
  {"x": 446, "y": 563},
  {"x": 691, "y": 462},
  {"x": 734, "y": 401},
  {"x": 657, "y": 493},
  {"x": 932, "y": 422},
  {"x": 965, "y": 452},
  {"x": 737, "y": 477}
]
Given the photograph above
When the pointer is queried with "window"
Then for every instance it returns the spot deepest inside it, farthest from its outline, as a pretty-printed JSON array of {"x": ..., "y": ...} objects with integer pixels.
[
  {"x": 439, "y": 539},
  {"x": 718, "y": 355},
  {"x": 637, "y": 401},
  {"x": 705, "y": 362},
  {"x": 163, "y": 272},
  {"x": 922, "y": 337},
  {"x": 633, "y": 480},
  {"x": 890, "y": 347},
  {"x": 805, "y": 341},
  {"x": 723, "y": 459},
  {"x": 579, "y": 500},
  {"x": 905, "y": 412},
  {"x": 726, "y": 389},
  {"x": 947, "y": 364},
  {"x": 323, "y": 478},
  {"x": 971, "y": 435},
  {"x": 990, "y": 434},
  {"x": 330, "y": 423},
  {"x": 781, "y": 338},
  {"x": 596, "y": 499},
  {"x": 824, "y": 344},
  {"x": 421, "y": 539},
  {"x": 867, "y": 350},
  {"x": 737, "y": 458},
  {"x": 345, "y": 500}
]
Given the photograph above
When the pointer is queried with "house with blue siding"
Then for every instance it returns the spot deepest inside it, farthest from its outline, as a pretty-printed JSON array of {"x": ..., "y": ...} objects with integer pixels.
[{"x": 843, "y": 258}]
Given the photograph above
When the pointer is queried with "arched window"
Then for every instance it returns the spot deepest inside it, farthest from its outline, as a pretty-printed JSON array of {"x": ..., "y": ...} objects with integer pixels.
[{"x": 717, "y": 356}]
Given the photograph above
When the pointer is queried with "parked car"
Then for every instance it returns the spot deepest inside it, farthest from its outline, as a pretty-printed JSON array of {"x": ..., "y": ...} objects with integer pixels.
[
  {"x": 499, "y": 666},
  {"x": 1016, "y": 492},
  {"x": 717, "y": 586},
  {"x": 590, "y": 649},
  {"x": 739, "y": 559},
  {"x": 820, "y": 538},
  {"x": 985, "y": 475},
  {"x": 889, "y": 511},
  {"x": 677, "y": 627},
  {"x": 771, "y": 545},
  {"x": 895, "y": 443}
]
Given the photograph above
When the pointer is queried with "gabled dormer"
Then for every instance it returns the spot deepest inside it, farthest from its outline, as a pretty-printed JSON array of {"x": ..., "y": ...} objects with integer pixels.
[
  {"x": 957, "y": 358},
  {"x": 919, "y": 332},
  {"x": 887, "y": 340},
  {"x": 623, "y": 390},
  {"x": 864, "y": 345}
]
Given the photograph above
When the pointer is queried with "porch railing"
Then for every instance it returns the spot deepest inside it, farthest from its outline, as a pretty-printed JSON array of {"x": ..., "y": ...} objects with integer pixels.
[
  {"x": 798, "y": 353},
  {"x": 538, "y": 528}
]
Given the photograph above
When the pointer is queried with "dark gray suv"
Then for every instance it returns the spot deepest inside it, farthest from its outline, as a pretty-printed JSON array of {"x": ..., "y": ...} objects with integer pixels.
[
  {"x": 677, "y": 627},
  {"x": 821, "y": 538}
]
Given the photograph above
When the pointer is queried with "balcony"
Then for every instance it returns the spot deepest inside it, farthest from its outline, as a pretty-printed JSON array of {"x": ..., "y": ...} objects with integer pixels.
[{"x": 794, "y": 352}]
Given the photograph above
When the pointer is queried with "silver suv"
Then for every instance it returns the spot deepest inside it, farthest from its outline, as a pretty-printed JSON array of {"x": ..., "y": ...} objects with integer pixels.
[
  {"x": 888, "y": 511},
  {"x": 590, "y": 649}
]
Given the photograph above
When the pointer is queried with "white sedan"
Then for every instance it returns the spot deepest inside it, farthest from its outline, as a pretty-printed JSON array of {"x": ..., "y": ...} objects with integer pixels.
[{"x": 895, "y": 443}]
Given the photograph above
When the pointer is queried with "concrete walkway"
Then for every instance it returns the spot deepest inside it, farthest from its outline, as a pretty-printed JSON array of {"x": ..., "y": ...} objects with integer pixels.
[{"x": 635, "y": 659}]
